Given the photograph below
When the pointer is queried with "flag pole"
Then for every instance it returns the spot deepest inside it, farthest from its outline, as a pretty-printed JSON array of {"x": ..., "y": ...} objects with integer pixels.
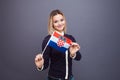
[{"x": 46, "y": 45}]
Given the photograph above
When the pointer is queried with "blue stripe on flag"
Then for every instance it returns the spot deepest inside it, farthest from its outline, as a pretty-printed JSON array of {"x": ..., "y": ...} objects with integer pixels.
[{"x": 54, "y": 45}]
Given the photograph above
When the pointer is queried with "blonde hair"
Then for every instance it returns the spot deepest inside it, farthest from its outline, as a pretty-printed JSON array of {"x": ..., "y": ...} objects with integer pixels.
[{"x": 50, "y": 21}]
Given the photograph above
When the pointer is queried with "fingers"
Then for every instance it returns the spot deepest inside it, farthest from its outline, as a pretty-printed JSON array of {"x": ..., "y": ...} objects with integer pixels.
[
  {"x": 38, "y": 57},
  {"x": 75, "y": 45}
]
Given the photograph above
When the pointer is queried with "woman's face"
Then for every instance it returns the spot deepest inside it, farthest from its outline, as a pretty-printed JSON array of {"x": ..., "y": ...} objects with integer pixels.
[{"x": 58, "y": 22}]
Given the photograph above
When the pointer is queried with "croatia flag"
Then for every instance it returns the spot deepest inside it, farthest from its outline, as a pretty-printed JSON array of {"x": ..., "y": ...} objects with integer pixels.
[{"x": 59, "y": 42}]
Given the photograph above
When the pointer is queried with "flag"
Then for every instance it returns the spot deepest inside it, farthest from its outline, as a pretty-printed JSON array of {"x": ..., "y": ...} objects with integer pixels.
[{"x": 59, "y": 42}]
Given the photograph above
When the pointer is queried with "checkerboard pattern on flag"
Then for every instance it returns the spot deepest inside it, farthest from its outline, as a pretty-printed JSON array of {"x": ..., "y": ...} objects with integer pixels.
[{"x": 59, "y": 42}]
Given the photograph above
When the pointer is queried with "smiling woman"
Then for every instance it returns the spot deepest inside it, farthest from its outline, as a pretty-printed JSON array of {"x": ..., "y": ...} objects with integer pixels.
[
  {"x": 56, "y": 22},
  {"x": 95, "y": 24},
  {"x": 60, "y": 64},
  {"x": 59, "y": 22}
]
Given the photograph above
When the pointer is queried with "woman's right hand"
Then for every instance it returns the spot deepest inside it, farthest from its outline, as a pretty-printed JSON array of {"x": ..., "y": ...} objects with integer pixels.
[{"x": 39, "y": 61}]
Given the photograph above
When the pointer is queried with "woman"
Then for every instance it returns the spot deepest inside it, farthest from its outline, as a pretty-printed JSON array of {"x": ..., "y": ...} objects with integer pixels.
[{"x": 60, "y": 64}]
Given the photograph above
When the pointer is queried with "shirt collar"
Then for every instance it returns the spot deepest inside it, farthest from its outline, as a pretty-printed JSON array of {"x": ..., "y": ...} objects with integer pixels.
[{"x": 62, "y": 33}]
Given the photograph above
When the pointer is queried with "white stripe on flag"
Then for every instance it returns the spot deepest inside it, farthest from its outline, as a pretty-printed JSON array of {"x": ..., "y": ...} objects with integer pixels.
[{"x": 55, "y": 39}]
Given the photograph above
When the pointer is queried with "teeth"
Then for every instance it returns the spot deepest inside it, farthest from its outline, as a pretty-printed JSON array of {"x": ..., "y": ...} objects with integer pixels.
[{"x": 59, "y": 26}]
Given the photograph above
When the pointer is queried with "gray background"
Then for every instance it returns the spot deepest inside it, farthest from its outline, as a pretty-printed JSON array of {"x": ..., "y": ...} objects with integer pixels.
[{"x": 94, "y": 23}]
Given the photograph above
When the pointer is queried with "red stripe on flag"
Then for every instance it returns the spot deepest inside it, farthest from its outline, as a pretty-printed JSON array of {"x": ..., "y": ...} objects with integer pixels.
[
  {"x": 68, "y": 41},
  {"x": 56, "y": 34}
]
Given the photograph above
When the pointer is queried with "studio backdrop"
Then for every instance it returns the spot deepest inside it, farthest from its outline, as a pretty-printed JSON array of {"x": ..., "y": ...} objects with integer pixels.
[{"x": 94, "y": 24}]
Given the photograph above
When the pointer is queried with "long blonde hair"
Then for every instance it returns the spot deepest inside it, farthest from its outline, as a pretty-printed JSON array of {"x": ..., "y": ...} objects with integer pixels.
[{"x": 50, "y": 21}]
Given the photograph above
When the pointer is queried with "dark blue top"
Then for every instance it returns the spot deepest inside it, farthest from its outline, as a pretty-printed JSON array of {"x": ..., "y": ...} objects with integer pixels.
[{"x": 56, "y": 60}]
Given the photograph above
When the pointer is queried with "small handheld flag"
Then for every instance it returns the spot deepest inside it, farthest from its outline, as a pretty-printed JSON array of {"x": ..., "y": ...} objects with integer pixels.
[{"x": 59, "y": 42}]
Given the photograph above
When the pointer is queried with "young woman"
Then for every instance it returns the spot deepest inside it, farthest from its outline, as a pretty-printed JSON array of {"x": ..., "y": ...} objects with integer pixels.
[{"x": 60, "y": 63}]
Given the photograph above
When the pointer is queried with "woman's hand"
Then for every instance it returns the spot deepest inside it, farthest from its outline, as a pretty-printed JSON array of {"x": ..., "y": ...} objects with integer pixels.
[
  {"x": 39, "y": 61},
  {"x": 73, "y": 49}
]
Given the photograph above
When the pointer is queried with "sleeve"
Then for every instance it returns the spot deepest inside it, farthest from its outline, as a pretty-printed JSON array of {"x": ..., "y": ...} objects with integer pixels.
[
  {"x": 46, "y": 53},
  {"x": 78, "y": 54}
]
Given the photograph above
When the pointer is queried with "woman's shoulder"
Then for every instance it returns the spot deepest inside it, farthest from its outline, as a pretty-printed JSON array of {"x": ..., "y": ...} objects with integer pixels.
[
  {"x": 70, "y": 37},
  {"x": 47, "y": 37},
  {"x": 45, "y": 40}
]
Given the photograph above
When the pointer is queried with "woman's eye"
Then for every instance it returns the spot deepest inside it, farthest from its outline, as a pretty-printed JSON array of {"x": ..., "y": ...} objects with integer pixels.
[
  {"x": 55, "y": 21},
  {"x": 62, "y": 19}
]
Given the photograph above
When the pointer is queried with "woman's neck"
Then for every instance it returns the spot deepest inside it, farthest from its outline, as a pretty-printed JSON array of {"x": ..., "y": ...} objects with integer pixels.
[{"x": 61, "y": 32}]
